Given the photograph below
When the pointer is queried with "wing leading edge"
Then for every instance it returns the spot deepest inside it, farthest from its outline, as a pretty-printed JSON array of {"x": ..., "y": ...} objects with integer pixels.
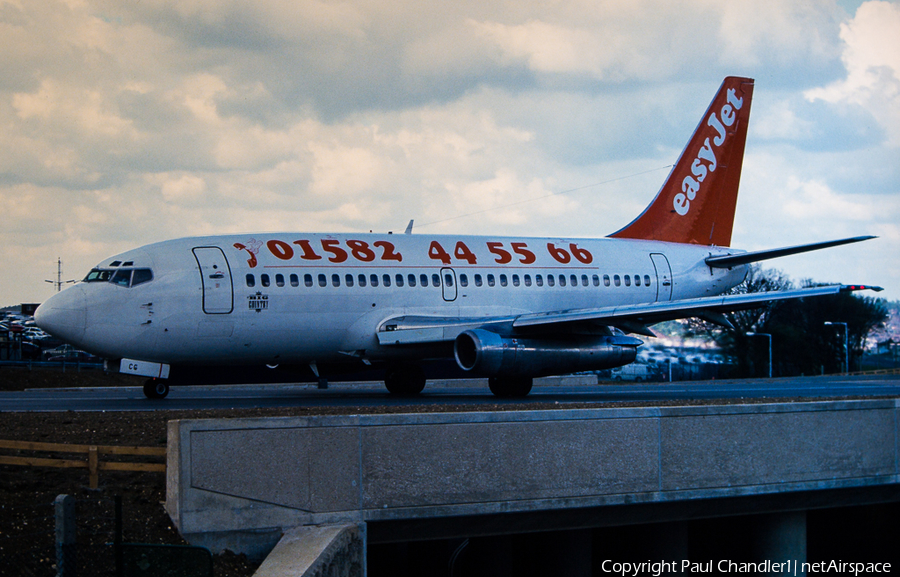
[{"x": 411, "y": 330}]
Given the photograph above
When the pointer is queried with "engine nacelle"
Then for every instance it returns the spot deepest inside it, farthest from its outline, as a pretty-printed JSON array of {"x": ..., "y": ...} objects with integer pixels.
[{"x": 487, "y": 353}]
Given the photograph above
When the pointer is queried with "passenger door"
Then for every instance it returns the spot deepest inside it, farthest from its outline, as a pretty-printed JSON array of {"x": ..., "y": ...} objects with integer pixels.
[
  {"x": 218, "y": 294},
  {"x": 663, "y": 277}
]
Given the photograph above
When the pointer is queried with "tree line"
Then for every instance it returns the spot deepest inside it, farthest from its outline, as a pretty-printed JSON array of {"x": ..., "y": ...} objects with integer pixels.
[{"x": 802, "y": 342}]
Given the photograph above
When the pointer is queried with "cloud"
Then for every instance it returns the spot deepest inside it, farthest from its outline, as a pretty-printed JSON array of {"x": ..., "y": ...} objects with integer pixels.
[
  {"x": 127, "y": 123},
  {"x": 871, "y": 57}
]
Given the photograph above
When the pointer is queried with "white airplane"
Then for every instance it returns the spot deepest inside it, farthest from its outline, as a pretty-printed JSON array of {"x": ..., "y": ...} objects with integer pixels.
[{"x": 508, "y": 308}]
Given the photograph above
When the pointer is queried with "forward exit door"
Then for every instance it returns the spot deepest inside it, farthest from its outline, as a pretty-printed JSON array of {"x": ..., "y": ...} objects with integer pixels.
[{"x": 218, "y": 294}]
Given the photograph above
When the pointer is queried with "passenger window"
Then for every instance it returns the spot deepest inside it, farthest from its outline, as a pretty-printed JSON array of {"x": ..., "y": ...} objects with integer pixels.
[
  {"x": 387, "y": 279},
  {"x": 411, "y": 279},
  {"x": 335, "y": 280},
  {"x": 584, "y": 280},
  {"x": 515, "y": 280},
  {"x": 448, "y": 279},
  {"x": 373, "y": 280},
  {"x": 539, "y": 280},
  {"x": 503, "y": 281},
  {"x": 279, "y": 280},
  {"x": 399, "y": 279},
  {"x": 362, "y": 280},
  {"x": 606, "y": 280},
  {"x": 295, "y": 280},
  {"x": 573, "y": 280},
  {"x": 627, "y": 280},
  {"x": 562, "y": 280},
  {"x": 323, "y": 280},
  {"x": 251, "y": 280},
  {"x": 490, "y": 279},
  {"x": 423, "y": 280},
  {"x": 646, "y": 280},
  {"x": 348, "y": 280},
  {"x": 637, "y": 280},
  {"x": 617, "y": 280},
  {"x": 264, "y": 280},
  {"x": 596, "y": 280},
  {"x": 307, "y": 279},
  {"x": 527, "y": 280},
  {"x": 463, "y": 280},
  {"x": 478, "y": 280},
  {"x": 435, "y": 280},
  {"x": 551, "y": 281}
]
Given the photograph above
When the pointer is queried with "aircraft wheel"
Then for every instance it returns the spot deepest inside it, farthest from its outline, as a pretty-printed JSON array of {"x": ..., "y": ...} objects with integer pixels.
[
  {"x": 156, "y": 389},
  {"x": 405, "y": 380},
  {"x": 509, "y": 387}
]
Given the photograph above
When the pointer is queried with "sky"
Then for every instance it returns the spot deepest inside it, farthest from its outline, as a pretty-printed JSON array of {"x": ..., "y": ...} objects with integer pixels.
[{"x": 126, "y": 123}]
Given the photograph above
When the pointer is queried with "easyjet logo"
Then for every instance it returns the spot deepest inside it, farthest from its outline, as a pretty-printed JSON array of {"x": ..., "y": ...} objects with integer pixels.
[{"x": 705, "y": 161}]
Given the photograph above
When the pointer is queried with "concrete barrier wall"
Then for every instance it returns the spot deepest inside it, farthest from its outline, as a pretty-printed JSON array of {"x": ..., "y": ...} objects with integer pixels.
[{"x": 239, "y": 482}]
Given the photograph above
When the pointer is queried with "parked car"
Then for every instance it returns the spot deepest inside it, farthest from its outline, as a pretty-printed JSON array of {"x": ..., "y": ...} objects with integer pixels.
[
  {"x": 68, "y": 354},
  {"x": 636, "y": 372}
]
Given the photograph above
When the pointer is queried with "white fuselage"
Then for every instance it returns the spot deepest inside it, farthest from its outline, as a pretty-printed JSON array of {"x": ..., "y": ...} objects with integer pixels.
[{"x": 321, "y": 298}]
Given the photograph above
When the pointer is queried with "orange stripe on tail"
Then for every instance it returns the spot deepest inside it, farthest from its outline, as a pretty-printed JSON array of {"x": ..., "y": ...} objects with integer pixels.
[{"x": 696, "y": 204}]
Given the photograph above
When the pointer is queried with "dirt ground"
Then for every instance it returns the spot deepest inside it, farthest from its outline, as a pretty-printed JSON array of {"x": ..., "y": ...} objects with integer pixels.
[{"x": 27, "y": 493}]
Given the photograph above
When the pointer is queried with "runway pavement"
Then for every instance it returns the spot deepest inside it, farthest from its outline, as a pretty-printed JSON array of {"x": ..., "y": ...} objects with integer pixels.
[{"x": 468, "y": 393}]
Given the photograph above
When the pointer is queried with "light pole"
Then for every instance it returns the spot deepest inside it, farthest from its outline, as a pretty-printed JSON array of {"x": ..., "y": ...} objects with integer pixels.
[
  {"x": 751, "y": 334},
  {"x": 846, "y": 363}
]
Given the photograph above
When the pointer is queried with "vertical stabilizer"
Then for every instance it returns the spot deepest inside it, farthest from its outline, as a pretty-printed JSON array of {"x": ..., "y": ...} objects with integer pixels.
[{"x": 696, "y": 204}]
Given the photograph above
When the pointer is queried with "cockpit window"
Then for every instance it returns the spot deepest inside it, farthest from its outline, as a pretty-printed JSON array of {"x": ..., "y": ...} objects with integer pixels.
[
  {"x": 122, "y": 277},
  {"x": 141, "y": 275},
  {"x": 125, "y": 277},
  {"x": 99, "y": 275}
]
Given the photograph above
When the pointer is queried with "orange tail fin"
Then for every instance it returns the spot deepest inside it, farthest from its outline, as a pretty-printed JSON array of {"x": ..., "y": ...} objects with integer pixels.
[{"x": 696, "y": 204}]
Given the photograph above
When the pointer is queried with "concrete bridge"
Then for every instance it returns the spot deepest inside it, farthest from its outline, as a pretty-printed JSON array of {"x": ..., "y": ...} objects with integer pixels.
[{"x": 538, "y": 492}]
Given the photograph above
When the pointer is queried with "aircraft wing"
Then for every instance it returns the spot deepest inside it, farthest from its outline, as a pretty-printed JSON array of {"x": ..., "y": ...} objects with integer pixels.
[{"x": 631, "y": 318}]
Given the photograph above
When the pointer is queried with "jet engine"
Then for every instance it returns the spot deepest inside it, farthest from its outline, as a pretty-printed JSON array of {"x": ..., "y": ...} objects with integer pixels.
[{"x": 490, "y": 354}]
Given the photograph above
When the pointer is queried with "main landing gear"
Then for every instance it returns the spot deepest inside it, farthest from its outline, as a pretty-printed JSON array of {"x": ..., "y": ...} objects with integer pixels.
[
  {"x": 405, "y": 380},
  {"x": 510, "y": 387},
  {"x": 156, "y": 388}
]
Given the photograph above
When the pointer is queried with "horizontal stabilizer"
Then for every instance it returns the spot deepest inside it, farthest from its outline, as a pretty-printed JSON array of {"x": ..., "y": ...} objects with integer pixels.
[{"x": 730, "y": 260}]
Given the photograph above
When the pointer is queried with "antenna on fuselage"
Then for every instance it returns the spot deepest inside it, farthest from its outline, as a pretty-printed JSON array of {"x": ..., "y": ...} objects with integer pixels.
[{"x": 409, "y": 227}]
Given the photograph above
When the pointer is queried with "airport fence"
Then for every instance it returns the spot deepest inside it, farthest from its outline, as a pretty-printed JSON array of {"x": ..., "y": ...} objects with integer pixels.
[{"x": 91, "y": 461}]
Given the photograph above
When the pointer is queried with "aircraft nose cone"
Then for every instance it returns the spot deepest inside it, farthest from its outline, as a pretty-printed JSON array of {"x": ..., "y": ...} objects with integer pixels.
[{"x": 64, "y": 315}]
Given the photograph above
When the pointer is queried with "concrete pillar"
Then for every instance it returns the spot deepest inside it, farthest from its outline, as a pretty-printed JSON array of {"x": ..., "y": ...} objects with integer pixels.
[
  {"x": 782, "y": 537},
  {"x": 66, "y": 558},
  {"x": 318, "y": 551},
  {"x": 778, "y": 538}
]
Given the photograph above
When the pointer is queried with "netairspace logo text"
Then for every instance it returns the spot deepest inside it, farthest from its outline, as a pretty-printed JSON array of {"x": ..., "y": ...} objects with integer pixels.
[{"x": 657, "y": 568}]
